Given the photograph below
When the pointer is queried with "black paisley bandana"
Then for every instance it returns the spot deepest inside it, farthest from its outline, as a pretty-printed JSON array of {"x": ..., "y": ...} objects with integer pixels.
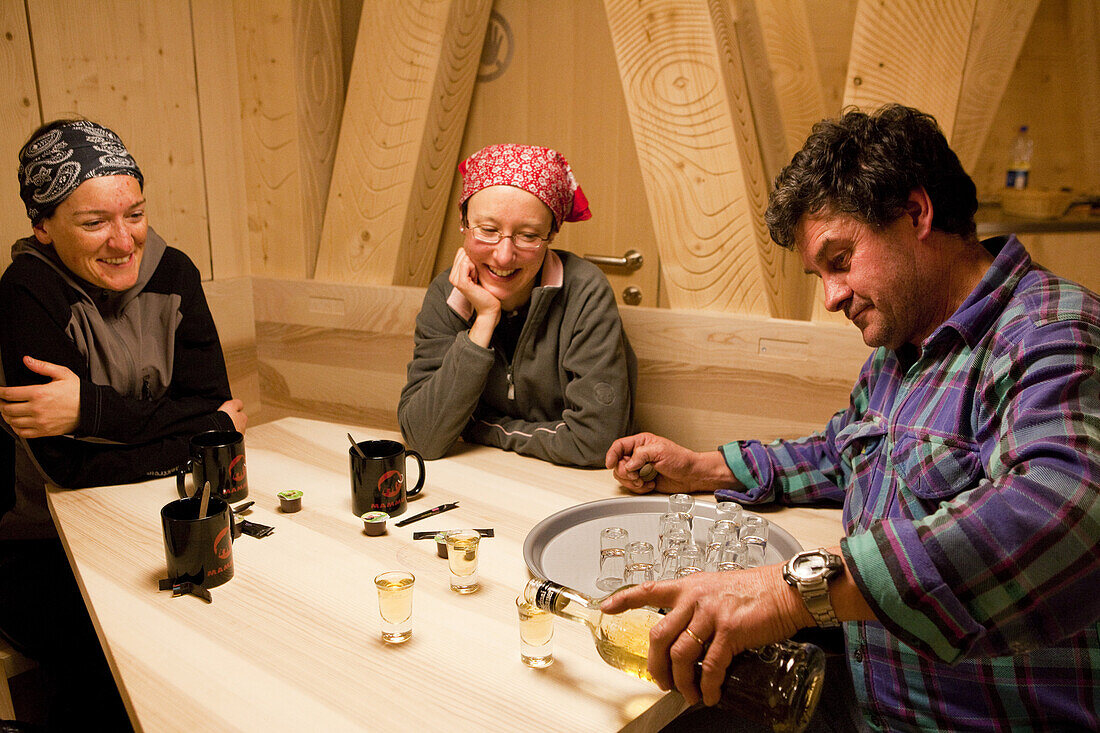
[{"x": 54, "y": 163}]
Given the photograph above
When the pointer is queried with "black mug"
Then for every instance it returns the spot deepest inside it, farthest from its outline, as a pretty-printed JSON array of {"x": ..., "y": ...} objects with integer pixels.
[
  {"x": 217, "y": 456},
  {"x": 199, "y": 550},
  {"x": 378, "y": 481}
]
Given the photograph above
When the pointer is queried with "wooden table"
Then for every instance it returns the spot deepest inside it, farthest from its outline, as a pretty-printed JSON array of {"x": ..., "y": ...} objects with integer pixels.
[{"x": 292, "y": 642}]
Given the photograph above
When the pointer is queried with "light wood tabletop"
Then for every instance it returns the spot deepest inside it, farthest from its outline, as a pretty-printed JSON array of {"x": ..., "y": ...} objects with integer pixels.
[{"x": 292, "y": 641}]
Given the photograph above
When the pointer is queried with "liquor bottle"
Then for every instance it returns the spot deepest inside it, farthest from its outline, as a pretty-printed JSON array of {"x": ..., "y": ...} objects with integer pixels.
[
  {"x": 777, "y": 685},
  {"x": 1020, "y": 167}
]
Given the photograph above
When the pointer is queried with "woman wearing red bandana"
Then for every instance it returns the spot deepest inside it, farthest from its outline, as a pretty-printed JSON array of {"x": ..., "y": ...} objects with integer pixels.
[{"x": 519, "y": 345}]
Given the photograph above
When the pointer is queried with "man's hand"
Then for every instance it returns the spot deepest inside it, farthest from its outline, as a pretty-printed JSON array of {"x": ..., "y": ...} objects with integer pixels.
[
  {"x": 487, "y": 306},
  {"x": 43, "y": 410},
  {"x": 728, "y": 612},
  {"x": 679, "y": 470},
  {"x": 235, "y": 409}
]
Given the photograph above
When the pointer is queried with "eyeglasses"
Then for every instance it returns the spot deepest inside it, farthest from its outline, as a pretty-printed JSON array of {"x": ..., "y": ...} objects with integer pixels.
[{"x": 525, "y": 241}]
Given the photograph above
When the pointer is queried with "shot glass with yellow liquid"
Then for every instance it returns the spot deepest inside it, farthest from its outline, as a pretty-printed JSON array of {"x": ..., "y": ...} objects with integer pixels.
[
  {"x": 462, "y": 545},
  {"x": 395, "y": 604},
  {"x": 536, "y": 635}
]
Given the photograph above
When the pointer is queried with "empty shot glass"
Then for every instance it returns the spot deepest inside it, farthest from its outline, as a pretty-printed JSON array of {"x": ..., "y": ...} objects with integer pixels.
[
  {"x": 754, "y": 533},
  {"x": 639, "y": 562},
  {"x": 730, "y": 510},
  {"x": 536, "y": 635},
  {"x": 395, "y": 604},
  {"x": 682, "y": 503},
  {"x": 733, "y": 555},
  {"x": 613, "y": 542},
  {"x": 462, "y": 547},
  {"x": 691, "y": 559}
]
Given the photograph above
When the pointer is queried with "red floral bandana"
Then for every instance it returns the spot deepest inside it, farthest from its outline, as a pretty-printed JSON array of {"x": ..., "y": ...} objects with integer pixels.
[{"x": 540, "y": 171}]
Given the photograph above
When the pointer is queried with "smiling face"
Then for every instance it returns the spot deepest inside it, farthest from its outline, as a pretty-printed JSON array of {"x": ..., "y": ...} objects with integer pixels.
[
  {"x": 99, "y": 231},
  {"x": 877, "y": 277},
  {"x": 506, "y": 272}
]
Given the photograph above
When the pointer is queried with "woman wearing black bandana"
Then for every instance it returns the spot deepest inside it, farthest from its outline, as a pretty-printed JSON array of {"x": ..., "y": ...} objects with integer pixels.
[{"x": 110, "y": 361}]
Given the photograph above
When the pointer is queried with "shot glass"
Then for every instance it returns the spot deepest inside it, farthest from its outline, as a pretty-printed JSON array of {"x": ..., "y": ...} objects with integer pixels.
[
  {"x": 462, "y": 558},
  {"x": 682, "y": 503},
  {"x": 733, "y": 555},
  {"x": 639, "y": 562},
  {"x": 670, "y": 562},
  {"x": 754, "y": 533},
  {"x": 678, "y": 537},
  {"x": 720, "y": 532},
  {"x": 730, "y": 510},
  {"x": 672, "y": 521},
  {"x": 612, "y": 558},
  {"x": 691, "y": 559},
  {"x": 395, "y": 604},
  {"x": 536, "y": 635}
]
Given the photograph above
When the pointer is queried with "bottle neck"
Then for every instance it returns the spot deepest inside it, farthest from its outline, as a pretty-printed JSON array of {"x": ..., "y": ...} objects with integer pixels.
[{"x": 564, "y": 602}]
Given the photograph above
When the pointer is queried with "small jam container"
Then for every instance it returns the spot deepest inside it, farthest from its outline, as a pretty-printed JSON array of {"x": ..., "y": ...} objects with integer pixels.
[
  {"x": 374, "y": 523},
  {"x": 290, "y": 501},
  {"x": 441, "y": 544}
]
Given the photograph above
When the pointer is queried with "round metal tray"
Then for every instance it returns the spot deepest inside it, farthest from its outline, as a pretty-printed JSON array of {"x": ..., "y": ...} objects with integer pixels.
[{"x": 565, "y": 547}]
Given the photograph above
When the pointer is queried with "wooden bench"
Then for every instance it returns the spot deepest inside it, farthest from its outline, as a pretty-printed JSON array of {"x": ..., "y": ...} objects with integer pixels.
[
  {"x": 339, "y": 352},
  {"x": 12, "y": 663}
]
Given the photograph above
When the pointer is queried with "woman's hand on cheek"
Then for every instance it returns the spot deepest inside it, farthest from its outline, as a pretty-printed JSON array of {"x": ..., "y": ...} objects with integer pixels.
[{"x": 464, "y": 278}]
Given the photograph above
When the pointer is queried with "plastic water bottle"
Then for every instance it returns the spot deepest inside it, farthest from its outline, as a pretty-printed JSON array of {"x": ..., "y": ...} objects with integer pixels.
[{"x": 1020, "y": 167}]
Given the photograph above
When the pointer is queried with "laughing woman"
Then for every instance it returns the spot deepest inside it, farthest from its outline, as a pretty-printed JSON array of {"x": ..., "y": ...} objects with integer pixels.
[
  {"x": 518, "y": 345},
  {"x": 111, "y": 362}
]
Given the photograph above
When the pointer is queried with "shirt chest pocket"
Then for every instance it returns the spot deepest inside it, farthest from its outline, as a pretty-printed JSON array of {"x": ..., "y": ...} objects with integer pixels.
[
  {"x": 934, "y": 467},
  {"x": 859, "y": 443}
]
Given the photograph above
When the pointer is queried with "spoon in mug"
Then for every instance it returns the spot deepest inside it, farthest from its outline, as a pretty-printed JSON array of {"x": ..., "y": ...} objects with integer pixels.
[
  {"x": 204, "y": 502},
  {"x": 356, "y": 447}
]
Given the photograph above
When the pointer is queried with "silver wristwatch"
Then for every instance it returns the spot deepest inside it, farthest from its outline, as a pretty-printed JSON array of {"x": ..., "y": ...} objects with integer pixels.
[{"x": 809, "y": 572}]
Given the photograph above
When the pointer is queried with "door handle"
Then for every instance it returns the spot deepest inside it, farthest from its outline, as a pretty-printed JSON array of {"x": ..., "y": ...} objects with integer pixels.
[{"x": 632, "y": 260}]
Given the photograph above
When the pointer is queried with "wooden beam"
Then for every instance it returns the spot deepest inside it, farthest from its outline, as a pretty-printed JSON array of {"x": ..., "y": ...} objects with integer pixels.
[
  {"x": 19, "y": 116},
  {"x": 291, "y": 82},
  {"x": 412, "y": 78},
  {"x": 127, "y": 65},
  {"x": 996, "y": 38},
  {"x": 697, "y": 147},
  {"x": 220, "y": 128},
  {"x": 910, "y": 51}
]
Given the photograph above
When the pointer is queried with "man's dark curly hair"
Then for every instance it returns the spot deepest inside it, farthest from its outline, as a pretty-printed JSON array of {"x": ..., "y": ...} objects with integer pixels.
[{"x": 866, "y": 165}]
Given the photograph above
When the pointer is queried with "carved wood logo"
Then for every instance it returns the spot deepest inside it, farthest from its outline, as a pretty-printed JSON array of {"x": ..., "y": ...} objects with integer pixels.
[{"x": 500, "y": 44}]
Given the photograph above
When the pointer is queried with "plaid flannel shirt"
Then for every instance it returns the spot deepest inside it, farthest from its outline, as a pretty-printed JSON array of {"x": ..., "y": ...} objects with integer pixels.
[{"x": 969, "y": 471}]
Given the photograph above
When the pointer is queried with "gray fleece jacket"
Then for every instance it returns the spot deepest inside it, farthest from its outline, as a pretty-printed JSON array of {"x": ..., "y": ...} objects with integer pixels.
[{"x": 565, "y": 396}]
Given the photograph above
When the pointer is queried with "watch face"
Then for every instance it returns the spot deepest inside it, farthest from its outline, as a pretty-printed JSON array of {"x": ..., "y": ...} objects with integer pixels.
[{"x": 809, "y": 566}]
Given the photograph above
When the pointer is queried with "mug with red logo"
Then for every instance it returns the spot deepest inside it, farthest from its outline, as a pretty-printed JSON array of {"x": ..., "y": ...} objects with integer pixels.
[
  {"x": 198, "y": 549},
  {"x": 217, "y": 456},
  {"x": 378, "y": 477}
]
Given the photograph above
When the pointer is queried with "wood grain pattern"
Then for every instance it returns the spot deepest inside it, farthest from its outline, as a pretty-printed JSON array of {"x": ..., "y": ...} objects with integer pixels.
[
  {"x": 411, "y": 81},
  {"x": 912, "y": 52},
  {"x": 699, "y": 156},
  {"x": 340, "y": 352},
  {"x": 220, "y": 126},
  {"x": 318, "y": 73},
  {"x": 19, "y": 116},
  {"x": 996, "y": 38},
  {"x": 127, "y": 65},
  {"x": 270, "y": 125},
  {"x": 787, "y": 36}
]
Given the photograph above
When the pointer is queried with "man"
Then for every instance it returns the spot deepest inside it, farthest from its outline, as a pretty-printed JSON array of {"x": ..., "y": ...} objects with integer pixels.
[{"x": 968, "y": 461}]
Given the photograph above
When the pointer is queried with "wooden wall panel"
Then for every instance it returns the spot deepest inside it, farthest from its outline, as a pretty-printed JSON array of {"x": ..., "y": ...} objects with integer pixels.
[
  {"x": 230, "y": 303},
  {"x": 220, "y": 126},
  {"x": 832, "y": 22},
  {"x": 912, "y": 52},
  {"x": 700, "y": 160},
  {"x": 127, "y": 65},
  {"x": 19, "y": 116},
  {"x": 291, "y": 91},
  {"x": 411, "y": 82},
  {"x": 1084, "y": 42}
]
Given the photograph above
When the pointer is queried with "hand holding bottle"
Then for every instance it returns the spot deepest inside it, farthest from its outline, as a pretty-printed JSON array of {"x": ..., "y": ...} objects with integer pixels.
[{"x": 728, "y": 612}]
